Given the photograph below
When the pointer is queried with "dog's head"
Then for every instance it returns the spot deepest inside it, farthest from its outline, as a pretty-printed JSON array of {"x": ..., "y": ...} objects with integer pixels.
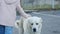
[{"x": 35, "y": 23}]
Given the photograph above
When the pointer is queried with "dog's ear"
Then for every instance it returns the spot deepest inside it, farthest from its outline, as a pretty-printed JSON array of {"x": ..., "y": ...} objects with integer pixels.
[
  {"x": 40, "y": 19},
  {"x": 40, "y": 26},
  {"x": 26, "y": 25}
]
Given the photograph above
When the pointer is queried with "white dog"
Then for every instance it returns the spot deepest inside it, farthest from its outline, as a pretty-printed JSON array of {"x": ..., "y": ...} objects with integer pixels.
[{"x": 31, "y": 25}]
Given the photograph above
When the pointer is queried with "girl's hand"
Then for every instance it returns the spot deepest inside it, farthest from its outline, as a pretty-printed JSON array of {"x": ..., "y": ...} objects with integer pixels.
[{"x": 27, "y": 15}]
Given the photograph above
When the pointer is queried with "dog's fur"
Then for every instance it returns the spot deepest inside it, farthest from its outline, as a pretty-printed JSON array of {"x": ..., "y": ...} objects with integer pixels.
[{"x": 31, "y": 25}]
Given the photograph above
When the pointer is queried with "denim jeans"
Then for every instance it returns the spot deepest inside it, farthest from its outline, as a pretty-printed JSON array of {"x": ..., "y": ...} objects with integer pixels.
[
  {"x": 2, "y": 29},
  {"x": 6, "y": 29}
]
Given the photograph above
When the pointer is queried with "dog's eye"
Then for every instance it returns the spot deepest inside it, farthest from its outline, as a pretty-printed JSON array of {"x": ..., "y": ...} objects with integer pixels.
[
  {"x": 36, "y": 23},
  {"x": 18, "y": 23},
  {"x": 31, "y": 23}
]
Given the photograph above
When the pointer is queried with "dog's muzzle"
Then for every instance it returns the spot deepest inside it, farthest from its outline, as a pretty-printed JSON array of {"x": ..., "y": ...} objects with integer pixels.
[{"x": 34, "y": 29}]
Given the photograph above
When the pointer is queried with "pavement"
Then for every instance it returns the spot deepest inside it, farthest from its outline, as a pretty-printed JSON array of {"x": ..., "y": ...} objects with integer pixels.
[{"x": 51, "y": 21}]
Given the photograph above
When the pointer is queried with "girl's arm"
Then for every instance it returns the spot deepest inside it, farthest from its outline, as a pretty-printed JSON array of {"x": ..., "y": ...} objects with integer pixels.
[{"x": 21, "y": 11}]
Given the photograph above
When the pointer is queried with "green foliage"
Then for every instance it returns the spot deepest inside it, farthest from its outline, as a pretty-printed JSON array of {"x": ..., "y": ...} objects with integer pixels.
[
  {"x": 57, "y": 6},
  {"x": 39, "y": 7},
  {"x": 36, "y": 7}
]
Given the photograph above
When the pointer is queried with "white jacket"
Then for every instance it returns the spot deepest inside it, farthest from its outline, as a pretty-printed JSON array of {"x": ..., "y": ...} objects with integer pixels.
[{"x": 8, "y": 12}]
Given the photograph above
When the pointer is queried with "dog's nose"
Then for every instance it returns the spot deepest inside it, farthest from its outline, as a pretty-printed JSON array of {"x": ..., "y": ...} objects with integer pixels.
[{"x": 34, "y": 29}]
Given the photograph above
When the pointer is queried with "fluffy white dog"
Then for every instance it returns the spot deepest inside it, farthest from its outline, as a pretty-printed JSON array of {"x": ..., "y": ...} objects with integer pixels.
[{"x": 31, "y": 25}]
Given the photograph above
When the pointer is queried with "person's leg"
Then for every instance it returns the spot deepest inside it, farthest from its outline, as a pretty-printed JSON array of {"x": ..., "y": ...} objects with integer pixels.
[
  {"x": 2, "y": 29},
  {"x": 8, "y": 30}
]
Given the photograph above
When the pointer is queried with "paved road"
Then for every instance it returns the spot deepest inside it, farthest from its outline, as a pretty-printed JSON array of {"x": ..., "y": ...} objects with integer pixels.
[{"x": 51, "y": 22}]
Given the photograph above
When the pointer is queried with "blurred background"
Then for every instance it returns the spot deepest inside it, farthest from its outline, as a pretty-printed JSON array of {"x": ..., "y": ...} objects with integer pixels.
[
  {"x": 49, "y": 10},
  {"x": 40, "y": 4}
]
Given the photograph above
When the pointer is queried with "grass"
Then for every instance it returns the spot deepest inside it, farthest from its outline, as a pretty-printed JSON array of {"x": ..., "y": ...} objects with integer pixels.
[
  {"x": 40, "y": 7},
  {"x": 57, "y": 6},
  {"x": 36, "y": 7}
]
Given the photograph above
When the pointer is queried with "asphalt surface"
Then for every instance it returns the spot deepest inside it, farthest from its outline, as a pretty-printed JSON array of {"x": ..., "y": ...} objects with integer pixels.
[{"x": 51, "y": 21}]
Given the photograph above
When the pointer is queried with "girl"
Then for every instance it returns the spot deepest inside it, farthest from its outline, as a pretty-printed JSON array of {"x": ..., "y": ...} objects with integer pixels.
[{"x": 8, "y": 15}]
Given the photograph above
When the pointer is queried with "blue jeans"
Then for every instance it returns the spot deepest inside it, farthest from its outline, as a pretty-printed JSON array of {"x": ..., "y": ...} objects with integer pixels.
[
  {"x": 6, "y": 29},
  {"x": 2, "y": 29}
]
